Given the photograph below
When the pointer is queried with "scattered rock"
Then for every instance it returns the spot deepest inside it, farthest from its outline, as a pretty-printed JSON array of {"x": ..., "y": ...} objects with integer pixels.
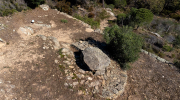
[
  {"x": 67, "y": 62},
  {"x": 156, "y": 34},
  {"x": 98, "y": 30},
  {"x": 108, "y": 9},
  {"x": 89, "y": 30},
  {"x": 90, "y": 78},
  {"x": 80, "y": 92},
  {"x": 44, "y": 7},
  {"x": 95, "y": 58},
  {"x": 82, "y": 81},
  {"x": 68, "y": 77},
  {"x": 56, "y": 61},
  {"x": 71, "y": 66},
  {"x": 75, "y": 83},
  {"x": 43, "y": 37},
  {"x": 65, "y": 84},
  {"x": 80, "y": 76},
  {"x": 26, "y": 30},
  {"x": 95, "y": 83},
  {"x": 56, "y": 43},
  {"x": 81, "y": 71},
  {"x": 111, "y": 13},
  {"x": 81, "y": 45}
]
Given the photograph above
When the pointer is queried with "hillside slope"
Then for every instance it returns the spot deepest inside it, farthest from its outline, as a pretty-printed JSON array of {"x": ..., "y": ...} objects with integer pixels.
[{"x": 31, "y": 63}]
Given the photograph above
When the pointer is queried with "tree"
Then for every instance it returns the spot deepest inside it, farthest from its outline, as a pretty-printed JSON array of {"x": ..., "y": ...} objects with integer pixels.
[
  {"x": 120, "y": 17},
  {"x": 141, "y": 16},
  {"x": 156, "y": 6},
  {"x": 34, "y": 3},
  {"x": 123, "y": 43}
]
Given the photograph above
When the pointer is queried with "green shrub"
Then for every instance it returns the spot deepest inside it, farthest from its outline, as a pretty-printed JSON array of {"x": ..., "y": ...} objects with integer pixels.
[
  {"x": 161, "y": 54},
  {"x": 125, "y": 45},
  {"x": 172, "y": 55},
  {"x": 64, "y": 21},
  {"x": 176, "y": 43},
  {"x": 111, "y": 6},
  {"x": 90, "y": 21},
  {"x": 103, "y": 15},
  {"x": 7, "y": 12},
  {"x": 167, "y": 48},
  {"x": 121, "y": 17},
  {"x": 141, "y": 16},
  {"x": 119, "y": 3}
]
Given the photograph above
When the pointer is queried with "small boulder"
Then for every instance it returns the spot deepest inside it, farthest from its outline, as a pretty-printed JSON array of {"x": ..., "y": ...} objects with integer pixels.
[
  {"x": 95, "y": 58},
  {"x": 44, "y": 7}
]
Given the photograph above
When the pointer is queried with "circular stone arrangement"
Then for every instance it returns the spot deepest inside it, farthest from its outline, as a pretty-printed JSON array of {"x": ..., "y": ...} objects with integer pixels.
[{"x": 112, "y": 80}]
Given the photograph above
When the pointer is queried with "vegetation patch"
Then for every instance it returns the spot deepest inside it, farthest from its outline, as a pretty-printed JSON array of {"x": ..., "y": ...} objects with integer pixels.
[
  {"x": 90, "y": 21},
  {"x": 125, "y": 45},
  {"x": 64, "y": 21},
  {"x": 61, "y": 54}
]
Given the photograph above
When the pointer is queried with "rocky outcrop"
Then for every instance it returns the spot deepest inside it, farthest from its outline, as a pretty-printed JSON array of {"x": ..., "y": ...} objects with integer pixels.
[
  {"x": 95, "y": 58},
  {"x": 44, "y": 7},
  {"x": 156, "y": 57}
]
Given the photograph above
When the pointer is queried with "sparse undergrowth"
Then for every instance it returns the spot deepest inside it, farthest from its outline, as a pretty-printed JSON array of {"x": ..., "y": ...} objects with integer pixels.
[
  {"x": 64, "y": 21},
  {"x": 90, "y": 21}
]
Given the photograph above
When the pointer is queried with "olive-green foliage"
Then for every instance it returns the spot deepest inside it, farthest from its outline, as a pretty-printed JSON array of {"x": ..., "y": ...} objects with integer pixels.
[
  {"x": 117, "y": 3},
  {"x": 90, "y": 21},
  {"x": 124, "y": 44},
  {"x": 103, "y": 15},
  {"x": 7, "y": 12},
  {"x": 176, "y": 43},
  {"x": 156, "y": 6},
  {"x": 167, "y": 48},
  {"x": 110, "y": 6},
  {"x": 64, "y": 21},
  {"x": 120, "y": 17},
  {"x": 141, "y": 16},
  {"x": 64, "y": 6}
]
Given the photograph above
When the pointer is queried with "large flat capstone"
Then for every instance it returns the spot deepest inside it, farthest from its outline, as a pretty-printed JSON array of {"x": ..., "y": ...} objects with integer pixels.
[{"x": 95, "y": 58}]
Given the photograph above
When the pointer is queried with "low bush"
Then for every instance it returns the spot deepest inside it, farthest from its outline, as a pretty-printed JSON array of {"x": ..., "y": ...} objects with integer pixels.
[
  {"x": 7, "y": 12},
  {"x": 90, "y": 21},
  {"x": 103, "y": 15},
  {"x": 161, "y": 54},
  {"x": 124, "y": 44},
  {"x": 111, "y": 6},
  {"x": 91, "y": 15},
  {"x": 172, "y": 55},
  {"x": 64, "y": 6},
  {"x": 64, "y": 21},
  {"x": 176, "y": 42},
  {"x": 167, "y": 48}
]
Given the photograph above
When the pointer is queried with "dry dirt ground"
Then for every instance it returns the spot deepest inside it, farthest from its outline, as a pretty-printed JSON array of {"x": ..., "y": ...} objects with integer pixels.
[{"x": 28, "y": 72}]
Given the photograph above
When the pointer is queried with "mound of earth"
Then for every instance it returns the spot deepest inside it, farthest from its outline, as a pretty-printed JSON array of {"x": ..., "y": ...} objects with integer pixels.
[{"x": 37, "y": 62}]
